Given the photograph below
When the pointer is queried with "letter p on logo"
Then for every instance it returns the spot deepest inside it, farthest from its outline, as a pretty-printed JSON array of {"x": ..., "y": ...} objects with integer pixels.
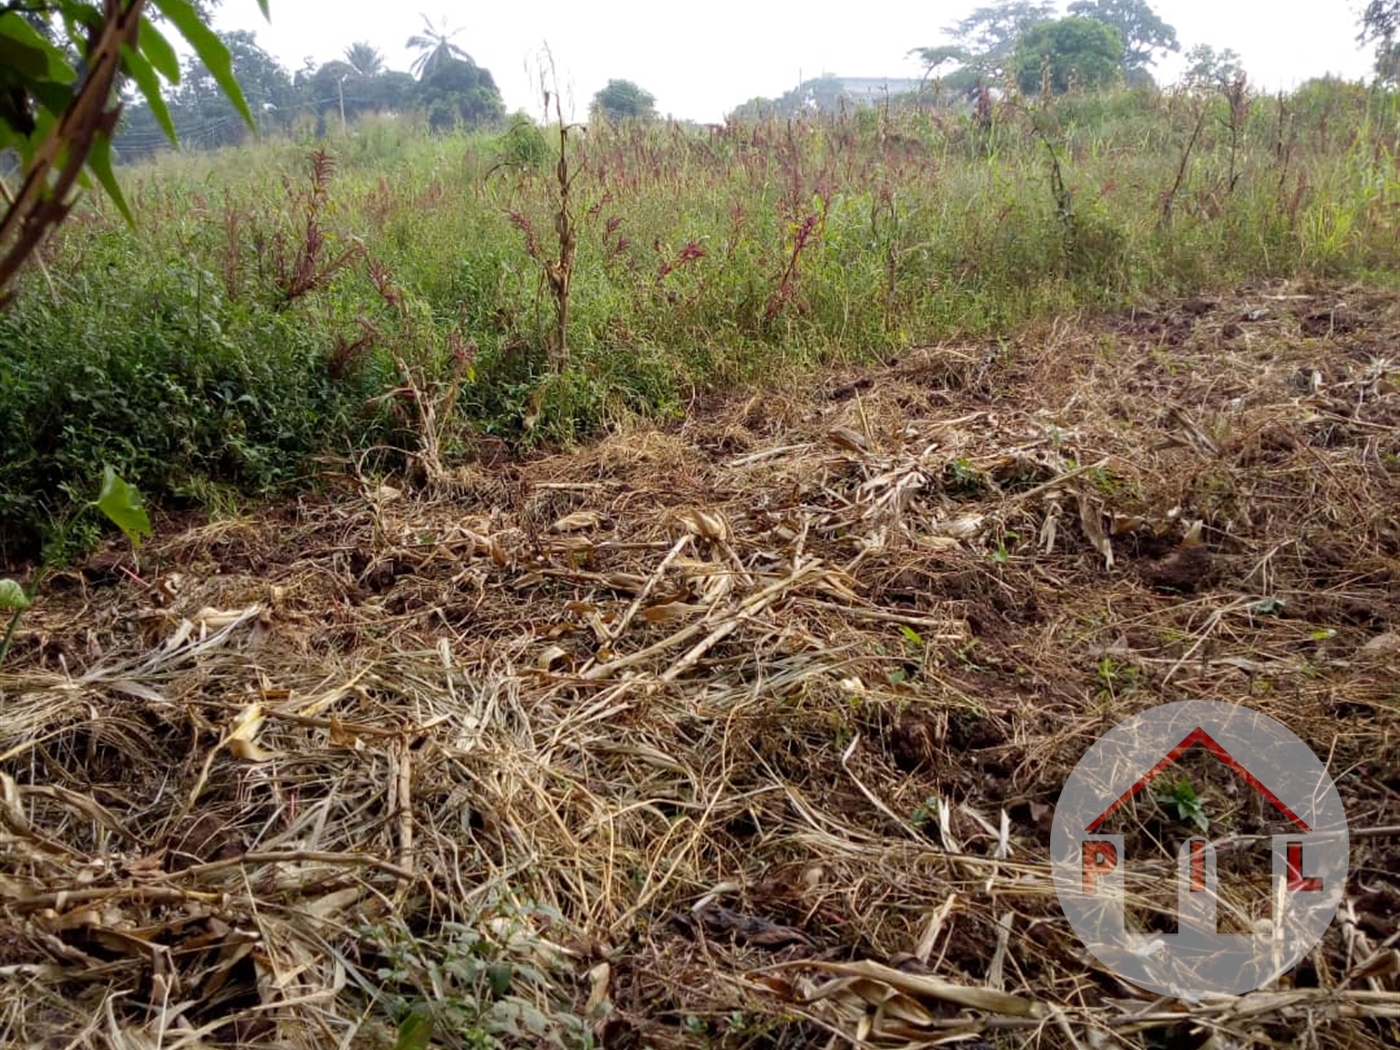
[{"x": 1100, "y": 858}]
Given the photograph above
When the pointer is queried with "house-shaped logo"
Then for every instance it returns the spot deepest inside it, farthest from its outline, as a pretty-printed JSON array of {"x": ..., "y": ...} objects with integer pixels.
[{"x": 1098, "y": 887}]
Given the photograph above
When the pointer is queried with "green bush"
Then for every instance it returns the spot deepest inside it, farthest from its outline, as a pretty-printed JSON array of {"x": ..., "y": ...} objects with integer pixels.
[{"x": 171, "y": 385}]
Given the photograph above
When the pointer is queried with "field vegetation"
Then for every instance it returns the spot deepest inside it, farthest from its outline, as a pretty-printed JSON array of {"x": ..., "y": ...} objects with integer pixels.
[{"x": 276, "y": 295}]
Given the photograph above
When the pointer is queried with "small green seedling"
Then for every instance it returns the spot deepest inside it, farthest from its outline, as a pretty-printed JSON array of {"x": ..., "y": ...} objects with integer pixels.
[{"x": 1189, "y": 806}]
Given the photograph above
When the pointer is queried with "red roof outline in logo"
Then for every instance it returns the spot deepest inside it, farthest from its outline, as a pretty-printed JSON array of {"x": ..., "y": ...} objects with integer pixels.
[{"x": 1200, "y": 736}]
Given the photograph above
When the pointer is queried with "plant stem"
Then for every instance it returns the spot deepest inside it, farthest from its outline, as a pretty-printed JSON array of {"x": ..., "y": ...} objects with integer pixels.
[{"x": 10, "y": 635}]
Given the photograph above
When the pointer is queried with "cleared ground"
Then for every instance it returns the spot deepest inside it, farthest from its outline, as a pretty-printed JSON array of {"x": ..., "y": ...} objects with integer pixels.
[{"x": 647, "y": 743}]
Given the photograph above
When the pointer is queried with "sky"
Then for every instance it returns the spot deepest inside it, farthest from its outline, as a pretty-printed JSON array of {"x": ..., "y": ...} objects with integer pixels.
[{"x": 702, "y": 61}]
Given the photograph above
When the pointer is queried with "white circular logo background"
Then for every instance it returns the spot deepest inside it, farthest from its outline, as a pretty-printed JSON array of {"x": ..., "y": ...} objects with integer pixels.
[{"x": 1303, "y": 868}]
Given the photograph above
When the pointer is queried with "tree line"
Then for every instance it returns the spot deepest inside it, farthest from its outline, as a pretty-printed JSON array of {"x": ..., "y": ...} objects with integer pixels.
[
  {"x": 444, "y": 84},
  {"x": 1026, "y": 45},
  {"x": 1012, "y": 44}
]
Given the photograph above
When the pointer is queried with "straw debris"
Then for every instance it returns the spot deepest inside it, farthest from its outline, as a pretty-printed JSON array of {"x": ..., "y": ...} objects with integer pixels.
[{"x": 745, "y": 731}]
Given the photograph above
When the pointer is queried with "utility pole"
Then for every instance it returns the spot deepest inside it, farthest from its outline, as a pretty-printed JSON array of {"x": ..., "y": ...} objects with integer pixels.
[{"x": 340, "y": 90}]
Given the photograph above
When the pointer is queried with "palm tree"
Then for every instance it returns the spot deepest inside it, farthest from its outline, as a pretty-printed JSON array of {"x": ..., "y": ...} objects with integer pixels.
[
  {"x": 435, "y": 47},
  {"x": 364, "y": 59}
]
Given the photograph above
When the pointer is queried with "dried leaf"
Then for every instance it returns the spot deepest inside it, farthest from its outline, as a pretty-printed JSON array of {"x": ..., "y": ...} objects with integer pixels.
[
  {"x": 550, "y": 657},
  {"x": 749, "y": 929},
  {"x": 1091, "y": 520},
  {"x": 1122, "y": 524},
  {"x": 938, "y": 543},
  {"x": 578, "y": 521},
  {"x": 709, "y": 524},
  {"x": 211, "y": 617},
  {"x": 918, "y": 985},
  {"x": 342, "y": 737},
  {"x": 779, "y": 986},
  {"x": 1382, "y": 964},
  {"x": 242, "y": 733},
  {"x": 668, "y": 611},
  {"x": 850, "y": 440},
  {"x": 332, "y": 904},
  {"x": 599, "y": 979},
  {"x": 1382, "y": 645}
]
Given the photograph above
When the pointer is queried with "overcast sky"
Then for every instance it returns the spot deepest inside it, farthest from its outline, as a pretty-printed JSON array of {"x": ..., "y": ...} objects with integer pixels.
[{"x": 702, "y": 61}]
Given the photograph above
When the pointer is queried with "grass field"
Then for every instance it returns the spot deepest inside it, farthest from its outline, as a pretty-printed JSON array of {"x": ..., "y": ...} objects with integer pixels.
[
  {"x": 267, "y": 300},
  {"x": 717, "y": 690}
]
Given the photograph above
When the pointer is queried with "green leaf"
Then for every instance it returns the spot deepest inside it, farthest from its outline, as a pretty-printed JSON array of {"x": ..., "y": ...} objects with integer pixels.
[
  {"x": 262, "y": 5},
  {"x": 12, "y": 596},
  {"x": 32, "y": 64},
  {"x": 122, "y": 505},
  {"x": 44, "y": 122},
  {"x": 158, "y": 51},
  {"x": 16, "y": 57},
  {"x": 209, "y": 48},
  {"x": 1184, "y": 793},
  {"x": 99, "y": 160},
  {"x": 28, "y": 52},
  {"x": 415, "y": 1031},
  {"x": 499, "y": 974},
  {"x": 145, "y": 76}
]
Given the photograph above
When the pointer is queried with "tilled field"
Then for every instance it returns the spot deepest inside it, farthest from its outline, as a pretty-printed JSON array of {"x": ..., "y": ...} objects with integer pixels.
[{"x": 742, "y": 732}]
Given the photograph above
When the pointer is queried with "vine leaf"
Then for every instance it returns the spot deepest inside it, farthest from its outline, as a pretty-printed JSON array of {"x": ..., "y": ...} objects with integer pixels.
[{"x": 122, "y": 504}]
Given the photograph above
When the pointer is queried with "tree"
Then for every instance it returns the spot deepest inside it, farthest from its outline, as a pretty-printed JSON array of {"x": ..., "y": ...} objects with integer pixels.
[
  {"x": 754, "y": 109},
  {"x": 621, "y": 100},
  {"x": 59, "y": 122},
  {"x": 961, "y": 78},
  {"x": 823, "y": 94},
  {"x": 1077, "y": 50},
  {"x": 1208, "y": 68},
  {"x": 391, "y": 91},
  {"x": 934, "y": 57},
  {"x": 458, "y": 91},
  {"x": 202, "y": 113},
  {"x": 365, "y": 59},
  {"x": 1380, "y": 24},
  {"x": 435, "y": 47},
  {"x": 987, "y": 37},
  {"x": 199, "y": 110},
  {"x": 1142, "y": 32},
  {"x": 344, "y": 84},
  {"x": 1380, "y": 20},
  {"x": 323, "y": 92},
  {"x": 1388, "y": 64}
]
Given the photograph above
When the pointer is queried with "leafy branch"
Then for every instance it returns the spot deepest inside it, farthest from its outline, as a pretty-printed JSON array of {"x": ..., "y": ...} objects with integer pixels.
[{"x": 60, "y": 122}]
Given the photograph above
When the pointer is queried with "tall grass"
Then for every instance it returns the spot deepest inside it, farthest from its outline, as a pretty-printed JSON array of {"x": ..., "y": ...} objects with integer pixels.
[{"x": 703, "y": 259}]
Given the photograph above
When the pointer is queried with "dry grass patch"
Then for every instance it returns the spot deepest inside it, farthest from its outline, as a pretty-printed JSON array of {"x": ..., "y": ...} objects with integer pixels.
[{"x": 744, "y": 733}]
